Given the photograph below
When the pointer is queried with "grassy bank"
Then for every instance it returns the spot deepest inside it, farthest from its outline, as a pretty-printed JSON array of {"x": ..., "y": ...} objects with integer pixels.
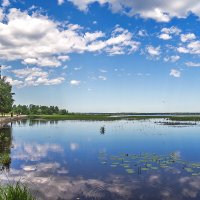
[
  {"x": 111, "y": 117},
  {"x": 86, "y": 117},
  {"x": 15, "y": 191}
]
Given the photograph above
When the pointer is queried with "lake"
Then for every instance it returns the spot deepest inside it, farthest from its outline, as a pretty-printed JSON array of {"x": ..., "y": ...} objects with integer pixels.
[{"x": 133, "y": 160}]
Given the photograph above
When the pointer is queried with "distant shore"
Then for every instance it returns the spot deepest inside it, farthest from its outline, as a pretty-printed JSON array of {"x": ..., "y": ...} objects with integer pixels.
[
  {"x": 101, "y": 117},
  {"x": 114, "y": 117},
  {"x": 5, "y": 120}
]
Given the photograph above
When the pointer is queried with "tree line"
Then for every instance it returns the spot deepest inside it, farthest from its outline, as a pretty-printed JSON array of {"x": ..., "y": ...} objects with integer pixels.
[
  {"x": 6, "y": 96},
  {"x": 6, "y": 103},
  {"x": 38, "y": 110}
]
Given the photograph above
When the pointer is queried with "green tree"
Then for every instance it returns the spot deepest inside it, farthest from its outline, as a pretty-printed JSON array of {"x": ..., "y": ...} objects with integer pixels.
[{"x": 6, "y": 96}]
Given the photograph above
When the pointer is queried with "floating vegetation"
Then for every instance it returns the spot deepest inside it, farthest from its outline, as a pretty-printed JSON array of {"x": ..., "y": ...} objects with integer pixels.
[
  {"x": 130, "y": 171},
  {"x": 149, "y": 162},
  {"x": 179, "y": 124},
  {"x": 102, "y": 130}
]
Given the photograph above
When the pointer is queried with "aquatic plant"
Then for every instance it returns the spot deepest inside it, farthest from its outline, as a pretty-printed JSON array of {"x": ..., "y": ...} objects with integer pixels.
[
  {"x": 102, "y": 130},
  {"x": 15, "y": 191},
  {"x": 147, "y": 162}
]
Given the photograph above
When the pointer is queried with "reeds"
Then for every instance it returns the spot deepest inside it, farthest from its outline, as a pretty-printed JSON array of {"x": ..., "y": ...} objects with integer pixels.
[{"x": 16, "y": 191}]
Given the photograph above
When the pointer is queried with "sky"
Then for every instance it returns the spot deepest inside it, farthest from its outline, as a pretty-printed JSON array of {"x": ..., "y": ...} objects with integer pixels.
[{"x": 103, "y": 55}]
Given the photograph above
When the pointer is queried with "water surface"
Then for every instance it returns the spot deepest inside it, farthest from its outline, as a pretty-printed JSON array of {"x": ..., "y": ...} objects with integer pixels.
[{"x": 104, "y": 160}]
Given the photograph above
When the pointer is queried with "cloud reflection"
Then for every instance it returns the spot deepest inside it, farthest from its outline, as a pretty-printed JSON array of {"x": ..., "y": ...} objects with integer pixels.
[{"x": 35, "y": 151}]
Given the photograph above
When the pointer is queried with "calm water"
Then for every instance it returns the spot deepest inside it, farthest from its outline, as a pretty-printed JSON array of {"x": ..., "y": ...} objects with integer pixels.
[{"x": 123, "y": 160}]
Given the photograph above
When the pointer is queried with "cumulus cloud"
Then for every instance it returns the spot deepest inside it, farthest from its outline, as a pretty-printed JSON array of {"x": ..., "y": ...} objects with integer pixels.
[
  {"x": 75, "y": 82},
  {"x": 103, "y": 78},
  {"x": 167, "y": 33},
  {"x": 5, "y": 67},
  {"x": 33, "y": 77},
  {"x": 103, "y": 70},
  {"x": 165, "y": 36},
  {"x": 142, "y": 33},
  {"x": 175, "y": 73},
  {"x": 51, "y": 44},
  {"x": 187, "y": 37},
  {"x": 5, "y": 3},
  {"x": 16, "y": 83},
  {"x": 153, "y": 52},
  {"x": 192, "y": 64},
  {"x": 60, "y": 2},
  {"x": 162, "y": 11},
  {"x": 192, "y": 47},
  {"x": 74, "y": 146},
  {"x": 172, "y": 58}
]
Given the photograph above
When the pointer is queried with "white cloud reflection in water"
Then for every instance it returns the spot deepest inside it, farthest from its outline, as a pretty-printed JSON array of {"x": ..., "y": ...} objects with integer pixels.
[{"x": 68, "y": 167}]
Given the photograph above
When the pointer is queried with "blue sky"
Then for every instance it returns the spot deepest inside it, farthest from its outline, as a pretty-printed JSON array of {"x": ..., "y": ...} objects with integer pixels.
[{"x": 104, "y": 55}]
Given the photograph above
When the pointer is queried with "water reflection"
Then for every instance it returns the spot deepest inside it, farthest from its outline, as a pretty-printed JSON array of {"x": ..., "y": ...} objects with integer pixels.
[
  {"x": 5, "y": 147},
  {"x": 136, "y": 160}
]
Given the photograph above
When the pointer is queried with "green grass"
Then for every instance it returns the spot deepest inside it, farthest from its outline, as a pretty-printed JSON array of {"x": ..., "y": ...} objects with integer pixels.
[
  {"x": 91, "y": 117},
  {"x": 15, "y": 191},
  {"x": 185, "y": 118},
  {"x": 110, "y": 117},
  {"x": 87, "y": 117},
  {"x": 5, "y": 159}
]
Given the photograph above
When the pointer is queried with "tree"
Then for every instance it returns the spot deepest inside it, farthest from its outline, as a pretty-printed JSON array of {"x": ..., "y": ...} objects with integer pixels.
[
  {"x": 38, "y": 110},
  {"x": 6, "y": 96}
]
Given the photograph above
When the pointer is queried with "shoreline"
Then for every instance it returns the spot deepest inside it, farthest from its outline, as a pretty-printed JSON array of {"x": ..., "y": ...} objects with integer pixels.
[
  {"x": 109, "y": 117},
  {"x": 5, "y": 120}
]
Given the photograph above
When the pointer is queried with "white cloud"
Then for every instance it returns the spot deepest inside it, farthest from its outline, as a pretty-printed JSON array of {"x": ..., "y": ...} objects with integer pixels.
[
  {"x": 74, "y": 146},
  {"x": 153, "y": 51},
  {"x": 16, "y": 83},
  {"x": 75, "y": 82},
  {"x": 119, "y": 43},
  {"x": 172, "y": 30},
  {"x": 1, "y": 14},
  {"x": 63, "y": 58},
  {"x": 182, "y": 50},
  {"x": 65, "y": 67},
  {"x": 89, "y": 37},
  {"x": 77, "y": 68},
  {"x": 33, "y": 77},
  {"x": 5, "y": 3},
  {"x": 46, "y": 81},
  {"x": 142, "y": 33},
  {"x": 52, "y": 43},
  {"x": 34, "y": 72},
  {"x": 192, "y": 47},
  {"x": 166, "y": 33},
  {"x": 103, "y": 78},
  {"x": 172, "y": 58},
  {"x": 192, "y": 64},
  {"x": 162, "y": 11},
  {"x": 187, "y": 37},
  {"x": 60, "y": 2},
  {"x": 50, "y": 62},
  {"x": 165, "y": 36},
  {"x": 102, "y": 70},
  {"x": 175, "y": 73},
  {"x": 5, "y": 67}
]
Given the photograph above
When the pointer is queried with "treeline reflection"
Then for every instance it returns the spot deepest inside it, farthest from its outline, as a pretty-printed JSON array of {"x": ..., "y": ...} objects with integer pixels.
[{"x": 5, "y": 147}]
